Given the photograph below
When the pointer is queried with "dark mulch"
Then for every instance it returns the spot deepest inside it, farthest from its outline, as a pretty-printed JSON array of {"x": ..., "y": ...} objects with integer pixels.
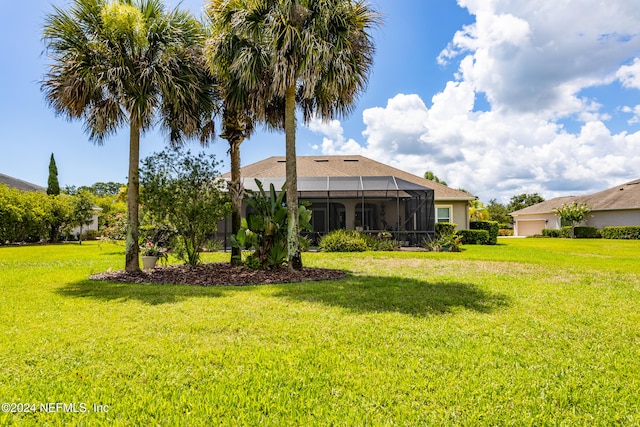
[{"x": 218, "y": 274}]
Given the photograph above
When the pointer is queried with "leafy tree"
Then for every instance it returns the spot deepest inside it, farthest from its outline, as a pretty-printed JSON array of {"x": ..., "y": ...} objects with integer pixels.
[
  {"x": 182, "y": 190},
  {"x": 477, "y": 211},
  {"x": 573, "y": 213},
  {"x": 498, "y": 212},
  {"x": 103, "y": 188},
  {"x": 315, "y": 54},
  {"x": 81, "y": 213},
  {"x": 129, "y": 62},
  {"x": 522, "y": 201},
  {"x": 432, "y": 177},
  {"x": 53, "y": 186},
  {"x": 58, "y": 215}
]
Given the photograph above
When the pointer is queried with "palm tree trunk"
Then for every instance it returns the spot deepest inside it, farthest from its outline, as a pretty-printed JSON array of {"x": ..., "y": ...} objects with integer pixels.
[
  {"x": 293, "y": 231},
  {"x": 132, "y": 249},
  {"x": 236, "y": 196}
]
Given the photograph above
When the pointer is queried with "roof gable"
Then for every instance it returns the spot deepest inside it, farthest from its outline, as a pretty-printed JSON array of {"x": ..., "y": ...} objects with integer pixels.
[
  {"x": 344, "y": 166},
  {"x": 20, "y": 184},
  {"x": 620, "y": 197}
]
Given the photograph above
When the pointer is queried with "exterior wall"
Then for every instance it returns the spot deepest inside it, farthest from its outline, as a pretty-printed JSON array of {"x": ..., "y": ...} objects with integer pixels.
[
  {"x": 461, "y": 214},
  {"x": 615, "y": 217},
  {"x": 459, "y": 211}
]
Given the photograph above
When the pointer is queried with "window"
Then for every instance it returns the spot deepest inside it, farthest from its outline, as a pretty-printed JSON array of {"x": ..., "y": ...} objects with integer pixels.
[{"x": 443, "y": 213}]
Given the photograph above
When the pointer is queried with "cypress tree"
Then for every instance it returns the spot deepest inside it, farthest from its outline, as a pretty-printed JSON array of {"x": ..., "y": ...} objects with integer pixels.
[{"x": 53, "y": 186}]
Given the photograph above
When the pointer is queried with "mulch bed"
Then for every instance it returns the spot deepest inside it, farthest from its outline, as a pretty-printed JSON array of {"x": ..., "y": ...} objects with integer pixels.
[{"x": 217, "y": 274}]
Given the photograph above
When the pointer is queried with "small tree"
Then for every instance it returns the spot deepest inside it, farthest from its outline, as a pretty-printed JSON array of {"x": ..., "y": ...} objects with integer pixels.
[
  {"x": 182, "y": 190},
  {"x": 81, "y": 211},
  {"x": 498, "y": 212},
  {"x": 53, "y": 186},
  {"x": 523, "y": 200},
  {"x": 573, "y": 213},
  {"x": 432, "y": 177}
]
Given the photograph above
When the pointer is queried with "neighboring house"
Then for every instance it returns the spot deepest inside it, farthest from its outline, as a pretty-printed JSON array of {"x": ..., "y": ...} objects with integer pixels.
[
  {"x": 355, "y": 192},
  {"x": 619, "y": 205},
  {"x": 20, "y": 184}
]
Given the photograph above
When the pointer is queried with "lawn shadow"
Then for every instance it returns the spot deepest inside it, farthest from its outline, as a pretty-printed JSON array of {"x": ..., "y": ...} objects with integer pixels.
[
  {"x": 151, "y": 294},
  {"x": 365, "y": 294}
]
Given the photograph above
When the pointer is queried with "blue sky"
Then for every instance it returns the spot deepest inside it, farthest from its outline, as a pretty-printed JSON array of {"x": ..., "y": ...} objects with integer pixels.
[{"x": 499, "y": 97}]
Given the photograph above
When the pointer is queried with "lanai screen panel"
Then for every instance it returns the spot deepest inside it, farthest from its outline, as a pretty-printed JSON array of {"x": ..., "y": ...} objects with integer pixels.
[{"x": 417, "y": 201}]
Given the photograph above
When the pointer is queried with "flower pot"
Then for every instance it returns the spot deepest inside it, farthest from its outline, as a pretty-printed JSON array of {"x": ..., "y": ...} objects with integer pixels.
[{"x": 149, "y": 262}]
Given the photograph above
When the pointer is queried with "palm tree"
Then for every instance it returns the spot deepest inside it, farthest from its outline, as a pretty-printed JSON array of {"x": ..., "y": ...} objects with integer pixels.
[
  {"x": 312, "y": 54},
  {"x": 129, "y": 62},
  {"x": 239, "y": 102}
]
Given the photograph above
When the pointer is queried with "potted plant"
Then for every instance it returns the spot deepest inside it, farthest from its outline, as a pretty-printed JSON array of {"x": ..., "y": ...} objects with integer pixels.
[{"x": 151, "y": 253}]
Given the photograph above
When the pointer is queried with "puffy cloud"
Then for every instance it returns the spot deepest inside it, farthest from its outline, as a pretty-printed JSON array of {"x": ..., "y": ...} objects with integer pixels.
[
  {"x": 531, "y": 60},
  {"x": 629, "y": 75}
]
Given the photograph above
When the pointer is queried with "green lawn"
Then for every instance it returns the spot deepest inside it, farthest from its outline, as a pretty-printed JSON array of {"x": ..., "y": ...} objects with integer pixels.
[{"x": 528, "y": 332}]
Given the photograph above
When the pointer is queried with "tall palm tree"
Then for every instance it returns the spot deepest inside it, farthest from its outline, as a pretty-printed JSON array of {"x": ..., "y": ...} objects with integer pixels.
[
  {"x": 312, "y": 54},
  {"x": 242, "y": 105},
  {"x": 129, "y": 62}
]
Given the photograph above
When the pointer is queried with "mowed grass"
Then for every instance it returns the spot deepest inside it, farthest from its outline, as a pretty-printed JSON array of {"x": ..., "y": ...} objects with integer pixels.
[{"x": 528, "y": 332}]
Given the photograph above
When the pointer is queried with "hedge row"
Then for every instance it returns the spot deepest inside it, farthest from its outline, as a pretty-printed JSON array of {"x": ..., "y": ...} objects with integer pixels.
[
  {"x": 492, "y": 227},
  {"x": 626, "y": 232},
  {"x": 474, "y": 237},
  {"x": 630, "y": 232}
]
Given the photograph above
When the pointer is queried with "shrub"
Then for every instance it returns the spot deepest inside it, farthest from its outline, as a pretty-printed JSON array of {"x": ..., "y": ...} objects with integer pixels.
[
  {"x": 265, "y": 228},
  {"x": 343, "y": 241},
  {"x": 445, "y": 228},
  {"x": 474, "y": 237},
  {"x": 586, "y": 233},
  {"x": 505, "y": 232},
  {"x": 565, "y": 232},
  {"x": 444, "y": 243},
  {"x": 620, "y": 232},
  {"x": 491, "y": 227},
  {"x": 91, "y": 235}
]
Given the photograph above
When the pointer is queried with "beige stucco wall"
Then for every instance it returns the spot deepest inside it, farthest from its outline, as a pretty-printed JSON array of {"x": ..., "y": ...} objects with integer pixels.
[
  {"x": 598, "y": 219},
  {"x": 614, "y": 217}
]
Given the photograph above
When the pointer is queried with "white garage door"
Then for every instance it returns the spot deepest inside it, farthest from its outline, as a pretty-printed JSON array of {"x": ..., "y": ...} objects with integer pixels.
[{"x": 529, "y": 228}]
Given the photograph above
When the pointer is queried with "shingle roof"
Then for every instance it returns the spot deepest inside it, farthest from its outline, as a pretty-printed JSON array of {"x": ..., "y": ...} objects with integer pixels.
[
  {"x": 20, "y": 184},
  {"x": 334, "y": 166},
  {"x": 625, "y": 196}
]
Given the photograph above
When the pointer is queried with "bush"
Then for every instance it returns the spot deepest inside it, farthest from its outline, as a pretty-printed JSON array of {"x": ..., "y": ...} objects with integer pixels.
[
  {"x": 586, "y": 233},
  {"x": 444, "y": 243},
  {"x": 505, "y": 232},
  {"x": 91, "y": 235},
  {"x": 343, "y": 241},
  {"x": 445, "y": 228},
  {"x": 491, "y": 227},
  {"x": 565, "y": 232},
  {"x": 620, "y": 232},
  {"x": 474, "y": 237}
]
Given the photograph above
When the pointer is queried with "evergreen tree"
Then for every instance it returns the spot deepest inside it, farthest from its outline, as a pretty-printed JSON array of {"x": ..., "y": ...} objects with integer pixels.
[{"x": 53, "y": 186}]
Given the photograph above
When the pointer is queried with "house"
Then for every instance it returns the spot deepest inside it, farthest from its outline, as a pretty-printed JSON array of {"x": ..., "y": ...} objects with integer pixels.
[
  {"x": 355, "y": 192},
  {"x": 616, "y": 206},
  {"x": 20, "y": 184}
]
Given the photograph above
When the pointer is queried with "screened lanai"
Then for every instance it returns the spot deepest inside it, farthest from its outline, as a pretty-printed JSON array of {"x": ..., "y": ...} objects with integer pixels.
[{"x": 369, "y": 203}]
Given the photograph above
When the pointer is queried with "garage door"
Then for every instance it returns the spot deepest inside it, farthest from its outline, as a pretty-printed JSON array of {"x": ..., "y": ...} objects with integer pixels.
[{"x": 529, "y": 228}]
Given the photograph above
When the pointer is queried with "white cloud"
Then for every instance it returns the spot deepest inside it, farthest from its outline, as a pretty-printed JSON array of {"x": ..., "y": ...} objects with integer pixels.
[
  {"x": 629, "y": 75},
  {"x": 531, "y": 60},
  {"x": 632, "y": 110}
]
